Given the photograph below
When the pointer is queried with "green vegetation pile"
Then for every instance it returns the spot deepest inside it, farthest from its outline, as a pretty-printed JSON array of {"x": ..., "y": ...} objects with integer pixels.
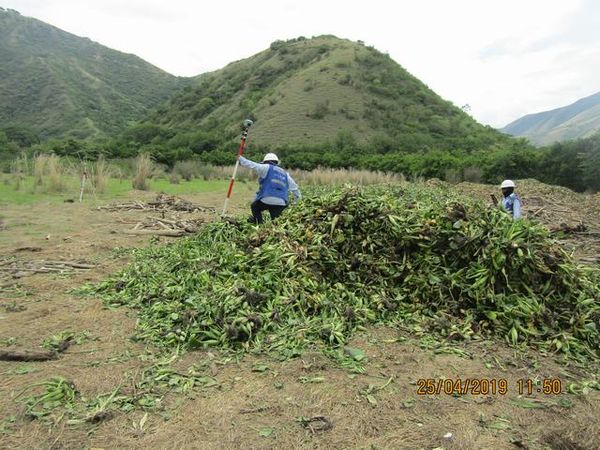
[{"x": 403, "y": 255}]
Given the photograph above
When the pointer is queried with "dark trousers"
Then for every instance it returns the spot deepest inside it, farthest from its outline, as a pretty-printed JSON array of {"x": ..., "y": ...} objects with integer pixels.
[{"x": 258, "y": 207}]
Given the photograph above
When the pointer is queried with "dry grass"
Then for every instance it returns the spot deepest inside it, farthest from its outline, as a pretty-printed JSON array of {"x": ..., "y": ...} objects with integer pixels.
[
  {"x": 188, "y": 170},
  {"x": 19, "y": 170},
  {"x": 174, "y": 177},
  {"x": 453, "y": 176},
  {"x": 144, "y": 168},
  {"x": 324, "y": 176},
  {"x": 49, "y": 174},
  {"x": 473, "y": 174},
  {"x": 101, "y": 172}
]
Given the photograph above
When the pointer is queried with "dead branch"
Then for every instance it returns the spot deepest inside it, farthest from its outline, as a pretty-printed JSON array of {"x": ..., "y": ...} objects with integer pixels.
[
  {"x": 27, "y": 355},
  {"x": 161, "y": 203},
  {"x": 175, "y": 233}
]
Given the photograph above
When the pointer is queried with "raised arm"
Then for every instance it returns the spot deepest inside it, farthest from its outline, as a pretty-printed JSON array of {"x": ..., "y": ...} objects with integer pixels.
[{"x": 260, "y": 169}]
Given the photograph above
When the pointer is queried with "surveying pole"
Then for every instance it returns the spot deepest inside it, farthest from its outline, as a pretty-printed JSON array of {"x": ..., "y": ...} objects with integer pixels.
[{"x": 245, "y": 127}]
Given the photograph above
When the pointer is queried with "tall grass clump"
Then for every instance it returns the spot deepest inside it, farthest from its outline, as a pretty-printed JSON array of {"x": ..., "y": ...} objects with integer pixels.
[
  {"x": 453, "y": 176},
  {"x": 124, "y": 168},
  {"x": 49, "y": 174},
  {"x": 210, "y": 172},
  {"x": 144, "y": 167},
  {"x": 174, "y": 177},
  {"x": 325, "y": 176},
  {"x": 101, "y": 172},
  {"x": 473, "y": 174},
  {"x": 19, "y": 169},
  {"x": 188, "y": 170}
]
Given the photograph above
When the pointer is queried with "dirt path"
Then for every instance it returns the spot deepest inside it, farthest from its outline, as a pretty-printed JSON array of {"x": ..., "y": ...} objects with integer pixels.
[{"x": 257, "y": 402}]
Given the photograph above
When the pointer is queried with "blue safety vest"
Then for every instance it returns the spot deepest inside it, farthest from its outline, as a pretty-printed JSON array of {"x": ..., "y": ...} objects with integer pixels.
[
  {"x": 275, "y": 184},
  {"x": 508, "y": 202}
]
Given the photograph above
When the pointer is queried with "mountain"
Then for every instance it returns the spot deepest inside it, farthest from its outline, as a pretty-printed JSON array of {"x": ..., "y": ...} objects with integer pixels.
[
  {"x": 308, "y": 92},
  {"x": 577, "y": 120},
  {"x": 61, "y": 85}
]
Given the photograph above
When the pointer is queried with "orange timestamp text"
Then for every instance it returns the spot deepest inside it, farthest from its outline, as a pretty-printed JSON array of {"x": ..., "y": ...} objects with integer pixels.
[{"x": 487, "y": 386}]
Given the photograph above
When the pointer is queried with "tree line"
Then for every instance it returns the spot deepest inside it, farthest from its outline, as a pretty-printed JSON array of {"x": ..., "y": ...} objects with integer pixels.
[{"x": 573, "y": 164}]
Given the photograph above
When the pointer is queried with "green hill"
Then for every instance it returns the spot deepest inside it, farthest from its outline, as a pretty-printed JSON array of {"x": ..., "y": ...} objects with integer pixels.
[
  {"x": 310, "y": 93},
  {"x": 61, "y": 85},
  {"x": 580, "y": 119}
]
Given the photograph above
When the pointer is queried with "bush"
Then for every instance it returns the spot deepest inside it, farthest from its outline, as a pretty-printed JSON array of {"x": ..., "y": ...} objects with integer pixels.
[
  {"x": 174, "y": 178},
  {"x": 188, "y": 170},
  {"x": 452, "y": 175},
  {"x": 472, "y": 174},
  {"x": 321, "y": 110}
]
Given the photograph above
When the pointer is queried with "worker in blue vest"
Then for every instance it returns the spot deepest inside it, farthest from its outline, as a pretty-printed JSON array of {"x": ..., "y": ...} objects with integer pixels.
[
  {"x": 274, "y": 187},
  {"x": 510, "y": 201}
]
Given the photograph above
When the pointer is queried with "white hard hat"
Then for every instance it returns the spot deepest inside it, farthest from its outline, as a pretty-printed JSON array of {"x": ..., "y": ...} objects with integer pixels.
[
  {"x": 507, "y": 184},
  {"x": 270, "y": 157}
]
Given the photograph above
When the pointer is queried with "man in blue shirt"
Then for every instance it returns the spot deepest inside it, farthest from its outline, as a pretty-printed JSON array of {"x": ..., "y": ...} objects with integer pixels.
[
  {"x": 274, "y": 187},
  {"x": 510, "y": 201}
]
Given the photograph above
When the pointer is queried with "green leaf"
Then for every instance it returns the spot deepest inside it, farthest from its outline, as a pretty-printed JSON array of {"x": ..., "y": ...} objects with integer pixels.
[
  {"x": 371, "y": 399},
  {"x": 266, "y": 431},
  {"x": 565, "y": 403},
  {"x": 355, "y": 353},
  {"x": 523, "y": 403},
  {"x": 23, "y": 369},
  {"x": 409, "y": 403},
  {"x": 499, "y": 424}
]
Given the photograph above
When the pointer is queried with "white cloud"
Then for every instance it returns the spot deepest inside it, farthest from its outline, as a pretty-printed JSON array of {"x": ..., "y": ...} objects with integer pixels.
[{"x": 504, "y": 58}]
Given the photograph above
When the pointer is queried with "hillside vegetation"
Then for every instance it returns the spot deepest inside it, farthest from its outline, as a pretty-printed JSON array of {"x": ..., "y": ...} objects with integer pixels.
[
  {"x": 324, "y": 95},
  {"x": 322, "y": 101},
  {"x": 55, "y": 84},
  {"x": 577, "y": 120}
]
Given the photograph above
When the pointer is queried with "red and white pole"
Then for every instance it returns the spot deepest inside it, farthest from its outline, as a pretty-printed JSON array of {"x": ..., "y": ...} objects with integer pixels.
[{"x": 247, "y": 125}]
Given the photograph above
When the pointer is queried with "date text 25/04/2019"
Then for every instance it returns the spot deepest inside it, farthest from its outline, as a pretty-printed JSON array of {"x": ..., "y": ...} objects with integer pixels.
[{"x": 487, "y": 386}]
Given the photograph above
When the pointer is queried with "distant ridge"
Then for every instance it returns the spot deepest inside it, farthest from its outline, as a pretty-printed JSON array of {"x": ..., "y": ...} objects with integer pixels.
[
  {"x": 577, "y": 120},
  {"x": 61, "y": 85}
]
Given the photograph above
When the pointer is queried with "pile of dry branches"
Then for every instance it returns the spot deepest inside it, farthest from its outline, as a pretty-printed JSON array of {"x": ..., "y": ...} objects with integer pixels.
[
  {"x": 174, "y": 226},
  {"x": 162, "y": 202},
  {"x": 12, "y": 269}
]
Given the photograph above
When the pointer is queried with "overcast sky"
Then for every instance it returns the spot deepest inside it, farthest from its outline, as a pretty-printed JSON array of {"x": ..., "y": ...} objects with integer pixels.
[{"x": 505, "y": 58}]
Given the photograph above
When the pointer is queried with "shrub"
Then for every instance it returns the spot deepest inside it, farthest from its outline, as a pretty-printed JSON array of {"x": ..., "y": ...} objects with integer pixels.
[
  {"x": 174, "y": 177},
  {"x": 452, "y": 175},
  {"x": 321, "y": 110},
  {"x": 188, "y": 170},
  {"x": 473, "y": 174}
]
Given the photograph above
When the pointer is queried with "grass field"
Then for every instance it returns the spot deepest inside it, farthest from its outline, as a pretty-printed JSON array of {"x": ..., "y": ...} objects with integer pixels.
[{"x": 115, "y": 189}]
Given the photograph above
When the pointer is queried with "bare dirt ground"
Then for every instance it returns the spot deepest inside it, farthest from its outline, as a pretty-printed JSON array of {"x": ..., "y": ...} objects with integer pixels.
[{"x": 250, "y": 408}]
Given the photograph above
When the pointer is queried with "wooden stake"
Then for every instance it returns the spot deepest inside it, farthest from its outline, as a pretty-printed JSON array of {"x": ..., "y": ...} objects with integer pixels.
[{"x": 83, "y": 177}]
